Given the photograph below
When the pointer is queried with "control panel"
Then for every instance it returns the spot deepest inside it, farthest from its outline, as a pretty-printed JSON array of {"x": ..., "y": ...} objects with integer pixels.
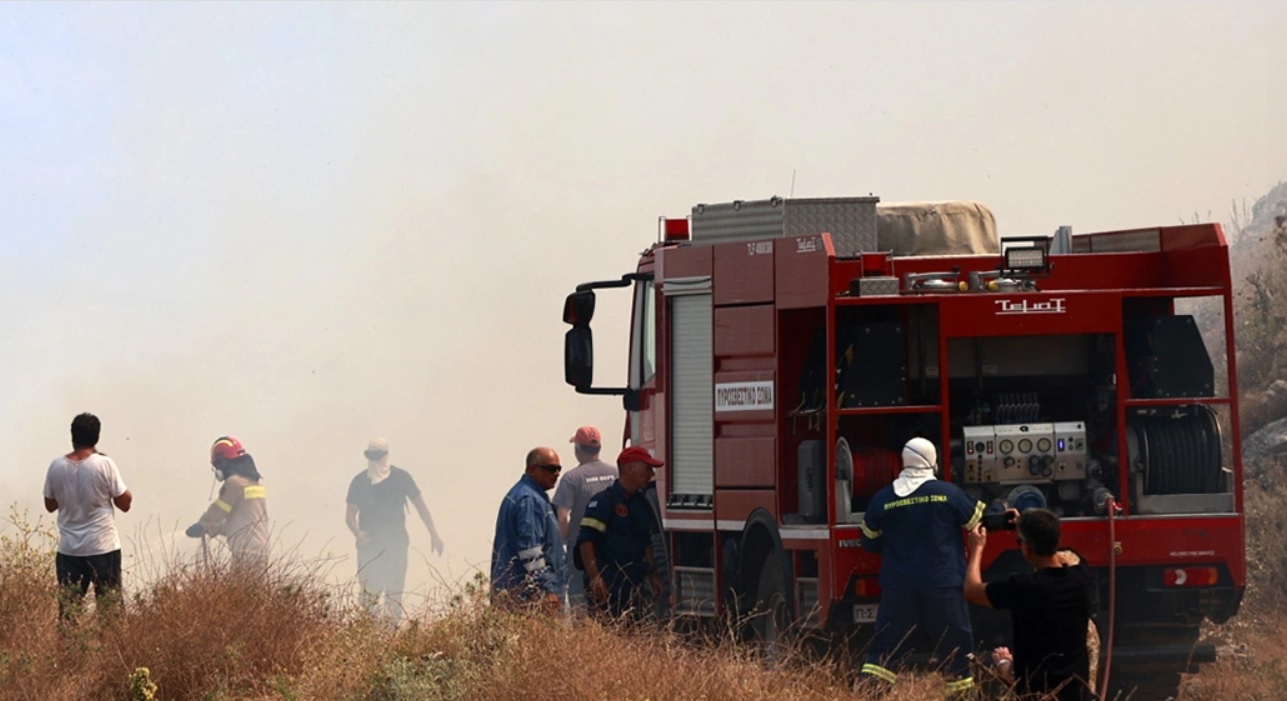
[{"x": 1025, "y": 453}]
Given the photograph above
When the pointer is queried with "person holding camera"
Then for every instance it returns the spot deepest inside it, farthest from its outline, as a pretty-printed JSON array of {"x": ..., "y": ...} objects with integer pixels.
[{"x": 1049, "y": 609}]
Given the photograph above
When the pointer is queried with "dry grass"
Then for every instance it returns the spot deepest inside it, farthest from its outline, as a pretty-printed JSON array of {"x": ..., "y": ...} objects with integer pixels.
[
  {"x": 210, "y": 634},
  {"x": 1254, "y": 660},
  {"x": 201, "y": 632},
  {"x": 1256, "y": 674}
]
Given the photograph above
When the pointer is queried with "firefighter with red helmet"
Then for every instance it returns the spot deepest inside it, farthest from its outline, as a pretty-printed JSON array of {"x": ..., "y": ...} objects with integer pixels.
[{"x": 240, "y": 514}]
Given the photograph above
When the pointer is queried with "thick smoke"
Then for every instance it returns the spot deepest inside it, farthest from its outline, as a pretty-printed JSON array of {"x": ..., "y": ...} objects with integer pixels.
[{"x": 308, "y": 225}]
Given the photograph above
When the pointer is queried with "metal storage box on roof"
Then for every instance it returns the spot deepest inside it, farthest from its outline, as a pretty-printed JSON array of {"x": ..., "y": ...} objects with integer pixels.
[{"x": 851, "y": 221}]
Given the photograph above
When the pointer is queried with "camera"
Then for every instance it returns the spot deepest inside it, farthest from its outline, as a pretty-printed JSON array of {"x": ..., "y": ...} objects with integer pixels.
[{"x": 1001, "y": 521}]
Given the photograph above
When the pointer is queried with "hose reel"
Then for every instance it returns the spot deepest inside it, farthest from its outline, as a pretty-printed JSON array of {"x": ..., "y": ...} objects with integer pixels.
[{"x": 1178, "y": 452}]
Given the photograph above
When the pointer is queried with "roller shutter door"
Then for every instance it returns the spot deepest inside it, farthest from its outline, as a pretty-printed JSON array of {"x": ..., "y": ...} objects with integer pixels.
[{"x": 692, "y": 396}]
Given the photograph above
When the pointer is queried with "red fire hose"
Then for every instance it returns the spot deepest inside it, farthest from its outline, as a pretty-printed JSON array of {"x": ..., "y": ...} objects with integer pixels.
[{"x": 1112, "y": 596}]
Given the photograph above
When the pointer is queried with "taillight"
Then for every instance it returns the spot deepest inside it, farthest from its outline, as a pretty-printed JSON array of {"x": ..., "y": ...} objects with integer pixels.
[
  {"x": 1190, "y": 576},
  {"x": 866, "y": 587}
]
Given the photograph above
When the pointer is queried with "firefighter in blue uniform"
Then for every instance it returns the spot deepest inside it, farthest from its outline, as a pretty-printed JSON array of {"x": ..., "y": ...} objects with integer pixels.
[
  {"x": 614, "y": 546},
  {"x": 916, "y": 524}
]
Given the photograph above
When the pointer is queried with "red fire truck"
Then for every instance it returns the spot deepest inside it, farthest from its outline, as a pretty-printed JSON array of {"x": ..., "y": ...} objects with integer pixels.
[{"x": 783, "y": 350}]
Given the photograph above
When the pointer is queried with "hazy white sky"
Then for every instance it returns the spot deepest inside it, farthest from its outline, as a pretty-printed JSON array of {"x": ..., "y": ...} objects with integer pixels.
[{"x": 305, "y": 224}]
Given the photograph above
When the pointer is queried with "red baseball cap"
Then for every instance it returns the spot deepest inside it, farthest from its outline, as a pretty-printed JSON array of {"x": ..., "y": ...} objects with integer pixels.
[
  {"x": 587, "y": 435},
  {"x": 637, "y": 453}
]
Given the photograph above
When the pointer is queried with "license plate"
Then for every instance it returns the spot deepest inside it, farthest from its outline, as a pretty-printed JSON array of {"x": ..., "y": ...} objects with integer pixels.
[{"x": 865, "y": 613}]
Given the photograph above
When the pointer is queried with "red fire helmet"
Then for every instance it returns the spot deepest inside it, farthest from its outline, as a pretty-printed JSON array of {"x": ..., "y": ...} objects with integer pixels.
[{"x": 226, "y": 448}]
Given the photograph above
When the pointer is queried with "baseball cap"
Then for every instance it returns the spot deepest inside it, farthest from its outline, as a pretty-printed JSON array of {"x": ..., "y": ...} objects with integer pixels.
[
  {"x": 637, "y": 453},
  {"x": 587, "y": 435}
]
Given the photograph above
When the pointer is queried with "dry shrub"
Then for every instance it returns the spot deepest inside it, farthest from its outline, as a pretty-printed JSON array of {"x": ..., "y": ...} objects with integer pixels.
[
  {"x": 30, "y": 643},
  {"x": 202, "y": 632},
  {"x": 479, "y": 652},
  {"x": 346, "y": 662},
  {"x": 1258, "y": 674},
  {"x": 26, "y": 580},
  {"x": 218, "y": 631},
  {"x": 1252, "y": 652},
  {"x": 1266, "y": 521},
  {"x": 583, "y": 659}
]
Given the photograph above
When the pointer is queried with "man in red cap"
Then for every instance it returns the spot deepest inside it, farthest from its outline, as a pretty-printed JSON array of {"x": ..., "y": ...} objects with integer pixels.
[
  {"x": 614, "y": 546},
  {"x": 576, "y": 488}
]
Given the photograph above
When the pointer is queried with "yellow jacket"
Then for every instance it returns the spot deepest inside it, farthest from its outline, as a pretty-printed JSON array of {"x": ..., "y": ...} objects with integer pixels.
[{"x": 240, "y": 515}]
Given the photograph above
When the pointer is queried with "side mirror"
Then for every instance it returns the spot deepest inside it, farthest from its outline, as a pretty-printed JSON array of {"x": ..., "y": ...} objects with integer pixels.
[
  {"x": 578, "y": 310},
  {"x": 578, "y": 353}
]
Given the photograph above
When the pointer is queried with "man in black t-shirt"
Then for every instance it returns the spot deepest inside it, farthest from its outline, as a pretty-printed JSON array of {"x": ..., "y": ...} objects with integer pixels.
[
  {"x": 1049, "y": 609},
  {"x": 377, "y": 517}
]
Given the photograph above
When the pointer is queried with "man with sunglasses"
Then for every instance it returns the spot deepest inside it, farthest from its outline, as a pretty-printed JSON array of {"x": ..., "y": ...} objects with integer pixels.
[
  {"x": 376, "y": 514},
  {"x": 1049, "y": 609},
  {"x": 527, "y": 550}
]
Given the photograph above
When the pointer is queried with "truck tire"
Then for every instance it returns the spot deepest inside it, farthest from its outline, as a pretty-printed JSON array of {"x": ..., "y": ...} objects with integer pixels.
[{"x": 771, "y": 618}]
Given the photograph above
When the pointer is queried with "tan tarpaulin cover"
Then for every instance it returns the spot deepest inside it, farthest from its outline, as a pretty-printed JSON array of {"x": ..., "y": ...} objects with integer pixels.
[{"x": 936, "y": 228}]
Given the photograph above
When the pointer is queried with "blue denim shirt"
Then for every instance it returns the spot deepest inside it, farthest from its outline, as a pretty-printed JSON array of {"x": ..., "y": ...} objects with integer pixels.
[{"x": 527, "y": 552}]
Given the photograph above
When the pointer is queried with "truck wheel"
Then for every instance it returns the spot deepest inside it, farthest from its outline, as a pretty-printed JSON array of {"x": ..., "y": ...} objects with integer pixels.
[{"x": 772, "y": 614}]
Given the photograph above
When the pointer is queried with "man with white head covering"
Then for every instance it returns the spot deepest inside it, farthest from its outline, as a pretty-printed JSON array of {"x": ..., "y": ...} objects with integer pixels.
[
  {"x": 916, "y": 524},
  {"x": 376, "y": 515}
]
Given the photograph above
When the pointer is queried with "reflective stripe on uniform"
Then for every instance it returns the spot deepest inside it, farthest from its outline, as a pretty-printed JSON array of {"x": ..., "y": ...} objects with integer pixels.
[
  {"x": 594, "y": 523},
  {"x": 533, "y": 558},
  {"x": 879, "y": 672},
  {"x": 223, "y": 505},
  {"x": 253, "y": 492},
  {"x": 528, "y": 554},
  {"x": 974, "y": 520},
  {"x": 960, "y": 685},
  {"x": 871, "y": 535}
]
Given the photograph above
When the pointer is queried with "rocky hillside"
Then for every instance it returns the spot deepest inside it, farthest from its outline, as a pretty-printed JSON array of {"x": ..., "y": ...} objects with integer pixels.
[{"x": 1258, "y": 238}]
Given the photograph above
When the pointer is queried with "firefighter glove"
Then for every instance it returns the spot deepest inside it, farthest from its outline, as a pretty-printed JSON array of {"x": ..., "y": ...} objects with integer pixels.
[{"x": 195, "y": 531}]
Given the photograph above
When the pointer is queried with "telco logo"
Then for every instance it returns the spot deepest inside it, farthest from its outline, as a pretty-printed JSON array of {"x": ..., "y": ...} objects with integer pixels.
[{"x": 1009, "y": 306}]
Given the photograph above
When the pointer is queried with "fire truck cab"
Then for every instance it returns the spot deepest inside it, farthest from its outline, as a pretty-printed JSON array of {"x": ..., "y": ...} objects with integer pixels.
[{"x": 783, "y": 350}]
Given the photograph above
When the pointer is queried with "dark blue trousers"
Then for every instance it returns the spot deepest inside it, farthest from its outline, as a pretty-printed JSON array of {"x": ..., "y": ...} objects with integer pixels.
[{"x": 937, "y": 617}]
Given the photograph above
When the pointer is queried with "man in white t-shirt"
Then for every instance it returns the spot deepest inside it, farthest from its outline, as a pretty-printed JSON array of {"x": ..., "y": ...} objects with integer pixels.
[
  {"x": 83, "y": 487},
  {"x": 576, "y": 488}
]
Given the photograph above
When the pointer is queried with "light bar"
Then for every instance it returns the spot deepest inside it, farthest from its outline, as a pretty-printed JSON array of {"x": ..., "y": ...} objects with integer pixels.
[
  {"x": 676, "y": 229},
  {"x": 1025, "y": 258}
]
